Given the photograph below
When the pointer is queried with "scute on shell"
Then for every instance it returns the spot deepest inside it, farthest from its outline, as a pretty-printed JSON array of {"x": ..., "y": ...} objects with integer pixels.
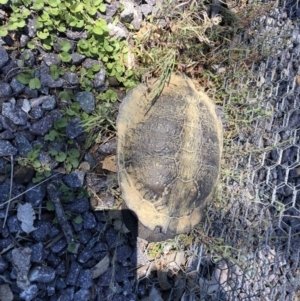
[{"x": 168, "y": 156}]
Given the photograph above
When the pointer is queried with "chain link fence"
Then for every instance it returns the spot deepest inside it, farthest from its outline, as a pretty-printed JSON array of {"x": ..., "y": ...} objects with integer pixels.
[
  {"x": 259, "y": 224},
  {"x": 249, "y": 243}
]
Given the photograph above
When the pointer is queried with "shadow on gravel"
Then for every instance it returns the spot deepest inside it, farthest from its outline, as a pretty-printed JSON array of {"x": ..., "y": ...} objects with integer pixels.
[{"x": 118, "y": 280}]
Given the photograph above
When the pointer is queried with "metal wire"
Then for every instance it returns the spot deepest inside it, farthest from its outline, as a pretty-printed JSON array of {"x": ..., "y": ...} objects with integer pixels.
[{"x": 261, "y": 219}]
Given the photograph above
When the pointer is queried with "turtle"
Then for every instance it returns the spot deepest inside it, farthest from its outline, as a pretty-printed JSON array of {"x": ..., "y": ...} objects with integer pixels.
[{"x": 168, "y": 155}]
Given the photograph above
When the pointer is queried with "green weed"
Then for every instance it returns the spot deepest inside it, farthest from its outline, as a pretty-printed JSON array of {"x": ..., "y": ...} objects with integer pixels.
[{"x": 43, "y": 170}]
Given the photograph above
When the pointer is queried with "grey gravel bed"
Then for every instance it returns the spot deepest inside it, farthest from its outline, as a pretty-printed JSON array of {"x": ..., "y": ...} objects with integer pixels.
[{"x": 35, "y": 263}]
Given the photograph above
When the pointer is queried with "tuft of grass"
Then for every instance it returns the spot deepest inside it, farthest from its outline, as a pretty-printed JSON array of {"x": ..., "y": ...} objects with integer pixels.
[{"x": 171, "y": 40}]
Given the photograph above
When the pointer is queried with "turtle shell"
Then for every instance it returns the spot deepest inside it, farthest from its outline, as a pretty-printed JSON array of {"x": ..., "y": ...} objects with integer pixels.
[{"x": 168, "y": 156}]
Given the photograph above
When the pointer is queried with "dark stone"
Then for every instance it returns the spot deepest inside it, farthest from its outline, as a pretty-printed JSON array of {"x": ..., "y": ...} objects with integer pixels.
[
  {"x": 36, "y": 113},
  {"x": 89, "y": 221},
  {"x": 77, "y": 226},
  {"x": 44, "y": 158},
  {"x": 141, "y": 290},
  {"x": 54, "y": 231},
  {"x": 30, "y": 93},
  {"x": 3, "y": 264},
  {"x": 23, "y": 174},
  {"x": 51, "y": 59},
  {"x": 17, "y": 193},
  {"x": 46, "y": 78},
  {"x": 113, "y": 82},
  {"x": 40, "y": 142},
  {"x": 8, "y": 124},
  {"x": 77, "y": 58},
  {"x": 51, "y": 288},
  {"x": 57, "y": 146},
  {"x": 14, "y": 225},
  {"x": 100, "y": 247},
  {"x": 53, "y": 260},
  {"x": 123, "y": 273},
  {"x": 11, "y": 69},
  {"x": 85, "y": 279},
  {"x": 98, "y": 256},
  {"x": 90, "y": 159},
  {"x": 4, "y": 58},
  {"x": 112, "y": 238},
  {"x": 108, "y": 148},
  {"x": 5, "y": 90},
  {"x": 112, "y": 8},
  {"x": 49, "y": 103},
  {"x": 100, "y": 228},
  {"x": 42, "y": 274},
  {"x": 90, "y": 264},
  {"x": 23, "y": 145},
  {"x": 61, "y": 268},
  {"x": 105, "y": 278},
  {"x": 86, "y": 101},
  {"x": 4, "y": 191},
  {"x": 6, "y": 149},
  {"x": 16, "y": 115},
  {"x": 66, "y": 295},
  {"x": 56, "y": 114},
  {"x": 16, "y": 85},
  {"x": 90, "y": 63},
  {"x": 75, "y": 179},
  {"x": 60, "y": 284},
  {"x": 78, "y": 206},
  {"x": 82, "y": 294},
  {"x": 146, "y": 9},
  {"x": 99, "y": 81},
  {"x": 5, "y": 242},
  {"x": 137, "y": 18},
  {"x": 38, "y": 253},
  {"x": 74, "y": 128},
  {"x": 31, "y": 27},
  {"x": 127, "y": 14},
  {"x": 41, "y": 233},
  {"x": 6, "y": 135},
  {"x": 44, "y": 90},
  {"x": 29, "y": 293},
  {"x": 100, "y": 216},
  {"x": 35, "y": 194},
  {"x": 76, "y": 35},
  {"x": 85, "y": 255},
  {"x": 73, "y": 274},
  {"x": 30, "y": 137},
  {"x": 42, "y": 126},
  {"x": 127, "y": 297},
  {"x": 8, "y": 255},
  {"x": 71, "y": 78},
  {"x": 29, "y": 58},
  {"x": 85, "y": 236},
  {"x": 124, "y": 253},
  {"x": 3, "y": 166},
  {"x": 60, "y": 245},
  {"x": 92, "y": 242}
]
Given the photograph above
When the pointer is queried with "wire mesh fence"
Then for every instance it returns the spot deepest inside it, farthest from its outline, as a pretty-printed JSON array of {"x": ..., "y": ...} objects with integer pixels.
[
  {"x": 248, "y": 246},
  {"x": 259, "y": 224}
]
